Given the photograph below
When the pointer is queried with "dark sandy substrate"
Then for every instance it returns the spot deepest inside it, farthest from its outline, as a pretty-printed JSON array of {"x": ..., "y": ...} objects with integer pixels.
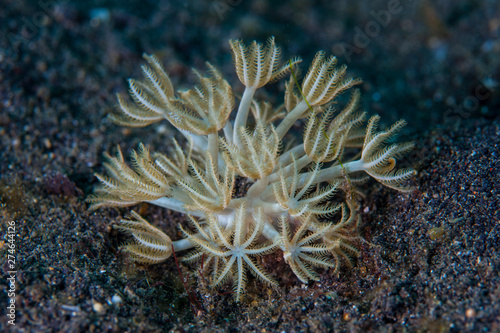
[{"x": 430, "y": 259}]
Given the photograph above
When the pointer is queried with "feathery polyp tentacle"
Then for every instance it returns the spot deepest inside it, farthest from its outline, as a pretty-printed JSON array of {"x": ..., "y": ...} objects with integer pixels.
[
  {"x": 133, "y": 116},
  {"x": 323, "y": 143},
  {"x": 158, "y": 78},
  {"x": 299, "y": 251},
  {"x": 257, "y": 65},
  {"x": 298, "y": 199},
  {"x": 207, "y": 191},
  {"x": 323, "y": 82},
  {"x": 151, "y": 96},
  {"x": 258, "y": 153},
  {"x": 379, "y": 161},
  {"x": 150, "y": 244},
  {"x": 235, "y": 247},
  {"x": 263, "y": 111},
  {"x": 177, "y": 166},
  {"x": 325, "y": 136},
  {"x": 125, "y": 186},
  {"x": 205, "y": 108}
]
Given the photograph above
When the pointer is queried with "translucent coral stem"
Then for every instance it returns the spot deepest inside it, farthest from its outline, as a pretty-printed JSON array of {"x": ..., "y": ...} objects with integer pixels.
[
  {"x": 242, "y": 114},
  {"x": 291, "y": 118},
  {"x": 175, "y": 205},
  {"x": 333, "y": 172},
  {"x": 213, "y": 148},
  {"x": 199, "y": 142},
  {"x": 286, "y": 158},
  {"x": 270, "y": 232},
  {"x": 300, "y": 163},
  {"x": 228, "y": 132},
  {"x": 182, "y": 244}
]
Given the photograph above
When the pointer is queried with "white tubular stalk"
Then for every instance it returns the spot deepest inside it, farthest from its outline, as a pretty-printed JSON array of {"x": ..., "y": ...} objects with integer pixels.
[
  {"x": 213, "y": 149},
  {"x": 226, "y": 220},
  {"x": 301, "y": 163},
  {"x": 242, "y": 114},
  {"x": 271, "y": 209},
  {"x": 291, "y": 118},
  {"x": 199, "y": 142},
  {"x": 182, "y": 244},
  {"x": 175, "y": 205},
  {"x": 333, "y": 172},
  {"x": 270, "y": 232},
  {"x": 228, "y": 132},
  {"x": 257, "y": 188},
  {"x": 286, "y": 158}
]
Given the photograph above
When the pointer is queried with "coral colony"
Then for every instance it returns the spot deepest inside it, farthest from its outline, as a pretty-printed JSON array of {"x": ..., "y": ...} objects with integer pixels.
[{"x": 302, "y": 199}]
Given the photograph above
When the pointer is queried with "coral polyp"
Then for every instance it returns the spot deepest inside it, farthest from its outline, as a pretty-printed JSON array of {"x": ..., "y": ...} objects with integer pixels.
[{"x": 293, "y": 203}]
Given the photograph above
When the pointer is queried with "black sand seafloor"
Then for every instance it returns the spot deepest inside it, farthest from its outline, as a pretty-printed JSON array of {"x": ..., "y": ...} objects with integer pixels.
[{"x": 430, "y": 259}]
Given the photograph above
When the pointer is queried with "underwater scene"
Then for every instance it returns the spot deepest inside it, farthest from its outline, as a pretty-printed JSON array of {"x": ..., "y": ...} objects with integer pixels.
[{"x": 250, "y": 166}]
